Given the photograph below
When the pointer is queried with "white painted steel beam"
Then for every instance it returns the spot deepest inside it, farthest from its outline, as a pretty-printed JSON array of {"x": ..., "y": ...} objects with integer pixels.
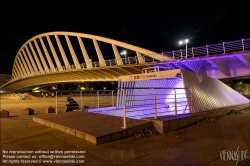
[
  {"x": 14, "y": 73},
  {"x": 17, "y": 71},
  {"x": 20, "y": 66},
  {"x": 85, "y": 54},
  {"x": 31, "y": 59},
  {"x": 51, "y": 65},
  {"x": 140, "y": 58},
  {"x": 36, "y": 58},
  {"x": 72, "y": 52},
  {"x": 45, "y": 66},
  {"x": 117, "y": 55},
  {"x": 27, "y": 61},
  {"x": 23, "y": 63},
  {"x": 58, "y": 64},
  {"x": 65, "y": 60},
  {"x": 99, "y": 53}
]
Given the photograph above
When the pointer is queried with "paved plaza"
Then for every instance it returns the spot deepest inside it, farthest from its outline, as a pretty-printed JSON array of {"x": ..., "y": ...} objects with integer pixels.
[{"x": 203, "y": 144}]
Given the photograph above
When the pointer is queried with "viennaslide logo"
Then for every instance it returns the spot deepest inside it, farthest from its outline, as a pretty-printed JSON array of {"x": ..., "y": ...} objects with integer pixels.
[{"x": 233, "y": 155}]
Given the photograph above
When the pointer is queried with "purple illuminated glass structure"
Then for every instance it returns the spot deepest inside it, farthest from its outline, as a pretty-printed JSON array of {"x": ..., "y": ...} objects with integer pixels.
[{"x": 194, "y": 93}]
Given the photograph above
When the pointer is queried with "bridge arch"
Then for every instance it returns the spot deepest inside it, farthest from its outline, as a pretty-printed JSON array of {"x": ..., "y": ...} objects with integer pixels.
[{"x": 33, "y": 59}]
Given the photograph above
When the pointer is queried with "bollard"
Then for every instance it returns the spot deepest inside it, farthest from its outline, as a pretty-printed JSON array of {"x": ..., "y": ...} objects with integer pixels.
[
  {"x": 29, "y": 111},
  {"x": 51, "y": 110},
  {"x": 4, "y": 114}
]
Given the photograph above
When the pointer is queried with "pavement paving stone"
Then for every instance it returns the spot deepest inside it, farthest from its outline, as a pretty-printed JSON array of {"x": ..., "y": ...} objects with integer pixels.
[
  {"x": 149, "y": 160},
  {"x": 98, "y": 162},
  {"x": 7, "y": 140},
  {"x": 15, "y": 145},
  {"x": 24, "y": 133},
  {"x": 218, "y": 162},
  {"x": 193, "y": 158},
  {"x": 54, "y": 144},
  {"x": 152, "y": 146},
  {"x": 116, "y": 156},
  {"x": 233, "y": 136},
  {"x": 169, "y": 153},
  {"x": 36, "y": 138},
  {"x": 173, "y": 139},
  {"x": 4, "y": 135}
]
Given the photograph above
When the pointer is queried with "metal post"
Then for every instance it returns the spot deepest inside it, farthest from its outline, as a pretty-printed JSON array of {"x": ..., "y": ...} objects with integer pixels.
[
  {"x": 112, "y": 98},
  {"x": 175, "y": 106},
  {"x": 98, "y": 99},
  {"x": 207, "y": 50},
  {"x": 243, "y": 48},
  {"x": 223, "y": 44},
  {"x": 81, "y": 98},
  {"x": 193, "y": 51},
  {"x": 186, "y": 50},
  {"x": 124, "y": 109},
  {"x": 155, "y": 109},
  {"x": 181, "y": 53},
  {"x": 56, "y": 102}
]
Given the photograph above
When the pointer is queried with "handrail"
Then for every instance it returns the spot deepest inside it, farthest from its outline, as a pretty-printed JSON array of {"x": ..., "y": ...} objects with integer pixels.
[
  {"x": 213, "y": 49},
  {"x": 173, "y": 97}
]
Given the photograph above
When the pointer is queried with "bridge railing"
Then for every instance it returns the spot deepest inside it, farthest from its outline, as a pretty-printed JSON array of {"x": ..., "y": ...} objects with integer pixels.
[
  {"x": 145, "y": 102},
  {"x": 220, "y": 48}
]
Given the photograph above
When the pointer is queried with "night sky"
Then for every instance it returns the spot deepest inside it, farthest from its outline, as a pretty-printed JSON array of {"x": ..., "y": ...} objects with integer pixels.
[{"x": 154, "y": 25}]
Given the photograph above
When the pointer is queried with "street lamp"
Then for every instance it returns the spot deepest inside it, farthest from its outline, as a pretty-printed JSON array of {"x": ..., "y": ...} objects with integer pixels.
[
  {"x": 124, "y": 53},
  {"x": 182, "y": 42}
]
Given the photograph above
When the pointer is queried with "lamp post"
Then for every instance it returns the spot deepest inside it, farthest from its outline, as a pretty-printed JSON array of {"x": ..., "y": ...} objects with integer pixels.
[
  {"x": 124, "y": 53},
  {"x": 185, "y": 41}
]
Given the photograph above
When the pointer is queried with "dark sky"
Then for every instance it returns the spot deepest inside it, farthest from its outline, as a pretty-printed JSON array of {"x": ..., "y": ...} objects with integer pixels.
[{"x": 154, "y": 25}]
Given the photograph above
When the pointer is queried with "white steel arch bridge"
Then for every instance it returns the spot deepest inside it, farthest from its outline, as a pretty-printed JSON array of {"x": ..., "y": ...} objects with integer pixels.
[{"x": 56, "y": 57}]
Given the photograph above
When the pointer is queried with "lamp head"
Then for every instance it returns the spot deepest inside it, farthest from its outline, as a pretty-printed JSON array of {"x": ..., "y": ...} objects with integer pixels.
[
  {"x": 123, "y": 53},
  {"x": 180, "y": 42},
  {"x": 183, "y": 41}
]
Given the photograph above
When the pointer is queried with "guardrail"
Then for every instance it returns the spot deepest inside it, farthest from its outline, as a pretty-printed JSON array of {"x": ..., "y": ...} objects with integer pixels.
[
  {"x": 220, "y": 48},
  {"x": 61, "y": 98},
  {"x": 153, "y": 102}
]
